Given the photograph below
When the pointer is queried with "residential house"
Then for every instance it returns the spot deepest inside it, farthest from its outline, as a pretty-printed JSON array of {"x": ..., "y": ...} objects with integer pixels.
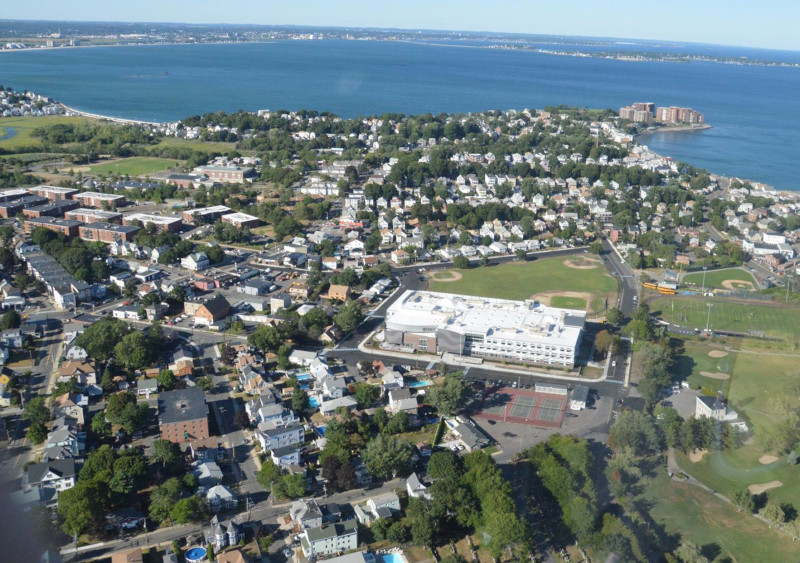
[
  {"x": 330, "y": 538},
  {"x": 134, "y": 555},
  {"x": 196, "y": 262},
  {"x": 183, "y": 415},
  {"x": 401, "y": 400},
  {"x": 271, "y": 438},
  {"x": 213, "y": 310},
  {"x": 207, "y": 449},
  {"x": 146, "y": 387},
  {"x": 392, "y": 379},
  {"x": 416, "y": 488},
  {"x": 339, "y": 292},
  {"x": 50, "y": 478},
  {"x": 222, "y": 534},
  {"x": 333, "y": 388},
  {"x": 471, "y": 436},
  {"x": 208, "y": 473},
  {"x": 306, "y": 514},
  {"x": 400, "y": 257},
  {"x": 327, "y": 408},
  {"x": 381, "y": 506},
  {"x": 220, "y": 497},
  {"x": 232, "y": 556}
]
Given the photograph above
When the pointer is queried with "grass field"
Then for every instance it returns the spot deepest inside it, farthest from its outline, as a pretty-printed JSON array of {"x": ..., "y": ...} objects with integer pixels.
[
  {"x": 568, "y": 302},
  {"x": 134, "y": 166},
  {"x": 695, "y": 360},
  {"x": 196, "y": 145},
  {"x": 521, "y": 280},
  {"x": 22, "y": 127},
  {"x": 715, "y": 278},
  {"x": 758, "y": 377},
  {"x": 723, "y": 533},
  {"x": 771, "y": 318}
]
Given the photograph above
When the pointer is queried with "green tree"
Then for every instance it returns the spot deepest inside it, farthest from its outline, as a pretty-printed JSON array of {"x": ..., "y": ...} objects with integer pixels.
[
  {"x": 163, "y": 498},
  {"x": 367, "y": 394},
  {"x": 455, "y": 394},
  {"x": 165, "y": 452},
  {"x": 291, "y": 486},
  {"x": 596, "y": 247},
  {"x": 130, "y": 471},
  {"x": 299, "y": 401},
  {"x": 100, "y": 426},
  {"x": 134, "y": 351},
  {"x": 614, "y": 316},
  {"x": 186, "y": 510},
  {"x": 773, "y": 513},
  {"x": 11, "y": 319},
  {"x": 166, "y": 379},
  {"x": 100, "y": 338},
  {"x": 36, "y": 433},
  {"x": 123, "y": 411},
  {"x": 349, "y": 316},
  {"x": 602, "y": 342},
  {"x": 689, "y": 552},
  {"x": 36, "y": 411},
  {"x": 80, "y": 508},
  {"x": 461, "y": 262},
  {"x": 269, "y": 474},
  {"x": 445, "y": 465},
  {"x": 743, "y": 500},
  {"x": 386, "y": 456}
]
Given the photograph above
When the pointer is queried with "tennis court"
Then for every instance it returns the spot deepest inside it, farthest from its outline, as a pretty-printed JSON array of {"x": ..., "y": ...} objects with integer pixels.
[{"x": 523, "y": 406}]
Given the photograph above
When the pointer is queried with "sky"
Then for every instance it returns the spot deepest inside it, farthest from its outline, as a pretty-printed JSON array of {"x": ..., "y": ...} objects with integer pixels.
[{"x": 767, "y": 24}]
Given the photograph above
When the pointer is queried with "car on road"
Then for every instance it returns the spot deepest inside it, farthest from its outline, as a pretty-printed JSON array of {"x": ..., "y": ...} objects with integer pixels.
[{"x": 614, "y": 364}]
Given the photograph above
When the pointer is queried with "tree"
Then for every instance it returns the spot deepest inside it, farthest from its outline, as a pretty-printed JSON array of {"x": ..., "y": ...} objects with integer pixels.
[
  {"x": 773, "y": 513},
  {"x": 186, "y": 510},
  {"x": 268, "y": 474},
  {"x": 453, "y": 396},
  {"x": 689, "y": 552},
  {"x": 134, "y": 351},
  {"x": 602, "y": 342},
  {"x": 266, "y": 338},
  {"x": 205, "y": 383},
  {"x": 349, "y": 316},
  {"x": 123, "y": 410},
  {"x": 596, "y": 247},
  {"x": 163, "y": 498},
  {"x": 367, "y": 394},
  {"x": 11, "y": 319},
  {"x": 299, "y": 401},
  {"x": 99, "y": 339},
  {"x": 743, "y": 500},
  {"x": 80, "y": 507},
  {"x": 614, "y": 316},
  {"x": 166, "y": 379},
  {"x": 291, "y": 486},
  {"x": 100, "y": 426},
  {"x": 461, "y": 262},
  {"x": 241, "y": 419},
  {"x": 36, "y": 433},
  {"x": 130, "y": 470},
  {"x": 36, "y": 411},
  {"x": 423, "y": 526},
  {"x": 165, "y": 452},
  {"x": 398, "y": 423},
  {"x": 445, "y": 465},
  {"x": 635, "y": 430},
  {"x": 386, "y": 456}
]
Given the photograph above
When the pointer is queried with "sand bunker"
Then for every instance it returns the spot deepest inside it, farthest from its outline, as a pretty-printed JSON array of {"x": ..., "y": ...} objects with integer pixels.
[
  {"x": 580, "y": 264},
  {"x": 545, "y": 297},
  {"x": 697, "y": 455},
  {"x": 715, "y": 374},
  {"x": 446, "y": 276},
  {"x": 763, "y": 487},
  {"x": 718, "y": 353},
  {"x": 767, "y": 459}
]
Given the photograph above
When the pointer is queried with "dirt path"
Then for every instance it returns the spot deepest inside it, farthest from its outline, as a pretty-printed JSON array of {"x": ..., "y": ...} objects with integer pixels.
[
  {"x": 581, "y": 263},
  {"x": 545, "y": 297},
  {"x": 453, "y": 276}
]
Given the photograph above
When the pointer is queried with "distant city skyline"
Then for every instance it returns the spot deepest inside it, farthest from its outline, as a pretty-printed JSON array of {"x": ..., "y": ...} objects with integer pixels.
[{"x": 770, "y": 24}]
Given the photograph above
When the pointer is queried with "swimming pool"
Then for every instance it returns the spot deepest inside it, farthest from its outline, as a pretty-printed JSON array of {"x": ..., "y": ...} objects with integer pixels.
[
  {"x": 393, "y": 558},
  {"x": 313, "y": 402},
  {"x": 195, "y": 555},
  {"x": 321, "y": 430},
  {"x": 303, "y": 377},
  {"x": 419, "y": 384}
]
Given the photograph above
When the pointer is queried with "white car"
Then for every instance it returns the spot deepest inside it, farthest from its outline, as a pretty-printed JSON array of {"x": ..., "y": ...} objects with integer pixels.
[{"x": 614, "y": 364}]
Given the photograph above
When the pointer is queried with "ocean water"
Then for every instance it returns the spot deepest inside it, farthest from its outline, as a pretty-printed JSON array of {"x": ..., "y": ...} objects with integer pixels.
[{"x": 754, "y": 110}]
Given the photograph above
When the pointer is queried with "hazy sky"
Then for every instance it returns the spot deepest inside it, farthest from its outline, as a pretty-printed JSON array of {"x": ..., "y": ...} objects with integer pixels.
[{"x": 768, "y": 23}]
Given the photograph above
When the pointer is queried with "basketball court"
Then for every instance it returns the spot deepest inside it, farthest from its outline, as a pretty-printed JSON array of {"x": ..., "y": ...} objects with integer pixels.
[{"x": 524, "y": 406}]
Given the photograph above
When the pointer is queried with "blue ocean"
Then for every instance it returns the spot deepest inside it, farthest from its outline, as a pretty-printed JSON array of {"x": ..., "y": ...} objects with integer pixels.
[{"x": 754, "y": 110}]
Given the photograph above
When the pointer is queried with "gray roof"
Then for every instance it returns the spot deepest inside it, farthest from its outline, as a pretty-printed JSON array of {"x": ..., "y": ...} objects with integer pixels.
[
  {"x": 280, "y": 431},
  {"x": 471, "y": 435},
  {"x": 336, "y": 530},
  {"x": 580, "y": 393},
  {"x": 399, "y": 394},
  {"x": 63, "y": 467},
  {"x": 181, "y": 405}
]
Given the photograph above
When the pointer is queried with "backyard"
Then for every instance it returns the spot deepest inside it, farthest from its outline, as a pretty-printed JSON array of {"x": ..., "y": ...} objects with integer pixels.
[{"x": 571, "y": 283}]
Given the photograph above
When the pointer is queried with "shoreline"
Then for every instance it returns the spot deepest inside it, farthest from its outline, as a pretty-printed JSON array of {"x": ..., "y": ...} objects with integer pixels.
[
  {"x": 121, "y": 120},
  {"x": 675, "y": 129}
]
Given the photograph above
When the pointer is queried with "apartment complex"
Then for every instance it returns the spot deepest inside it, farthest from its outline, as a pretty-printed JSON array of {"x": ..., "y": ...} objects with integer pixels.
[
  {"x": 99, "y": 199},
  {"x": 161, "y": 222},
  {"x": 107, "y": 232},
  {"x": 183, "y": 415},
  {"x": 205, "y": 214},
  {"x": 67, "y": 227},
  {"x": 86, "y": 215},
  {"x": 524, "y": 331},
  {"x": 647, "y": 112},
  {"x": 53, "y": 193},
  {"x": 230, "y": 174}
]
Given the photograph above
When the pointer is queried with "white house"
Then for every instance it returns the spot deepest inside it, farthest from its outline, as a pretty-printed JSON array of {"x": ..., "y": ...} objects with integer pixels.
[
  {"x": 220, "y": 497},
  {"x": 416, "y": 488},
  {"x": 271, "y": 438},
  {"x": 196, "y": 262},
  {"x": 330, "y": 538},
  {"x": 381, "y": 506}
]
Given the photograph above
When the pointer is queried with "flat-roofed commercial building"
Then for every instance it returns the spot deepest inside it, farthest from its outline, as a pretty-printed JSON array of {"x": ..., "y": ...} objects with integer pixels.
[
  {"x": 524, "y": 331},
  {"x": 98, "y": 199},
  {"x": 205, "y": 214},
  {"x": 54, "y": 209},
  {"x": 66, "y": 226},
  {"x": 161, "y": 222},
  {"x": 107, "y": 232},
  {"x": 10, "y": 195},
  {"x": 16, "y": 206},
  {"x": 241, "y": 220},
  {"x": 226, "y": 174},
  {"x": 53, "y": 193},
  {"x": 93, "y": 215}
]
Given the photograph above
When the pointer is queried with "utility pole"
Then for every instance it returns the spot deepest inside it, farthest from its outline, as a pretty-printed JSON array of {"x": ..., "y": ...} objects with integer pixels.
[
  {"x": 703, "y": 291},
  {"x": 708, "y": 321}
]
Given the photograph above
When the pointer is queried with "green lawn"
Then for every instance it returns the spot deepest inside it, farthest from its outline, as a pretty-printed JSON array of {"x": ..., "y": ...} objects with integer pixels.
[
  {"x": 770, "y": 318},
  {"x": 756, "y": 380},
  {"x": 23, "y": 126},
  {"x": 711, "y": 523},
  {"x": 134, "y": 166},
  {"x": 197, "y": 145},
  {"x": 715, "y": 278},
  {"x": 695, "y": 360},
  {"x": 522, "y": 280},
  {"x": 568, "y": 302}
]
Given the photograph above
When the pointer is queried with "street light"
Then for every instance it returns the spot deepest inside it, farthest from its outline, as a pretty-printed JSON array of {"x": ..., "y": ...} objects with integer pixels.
[
  {"x": 704, "y": 279},
  {"x": 708, "y": 322}
]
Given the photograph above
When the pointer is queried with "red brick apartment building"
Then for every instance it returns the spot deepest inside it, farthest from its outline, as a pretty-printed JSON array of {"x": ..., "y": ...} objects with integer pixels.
[{"x": 183, "y": 415}]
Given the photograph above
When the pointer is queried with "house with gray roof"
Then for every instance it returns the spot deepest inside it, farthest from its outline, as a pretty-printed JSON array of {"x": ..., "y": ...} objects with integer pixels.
[
  {"x": 330, "y": 538},
  {"x": 306, "y": 513}
]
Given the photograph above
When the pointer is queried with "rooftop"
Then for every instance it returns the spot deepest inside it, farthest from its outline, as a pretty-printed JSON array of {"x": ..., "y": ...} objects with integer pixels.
[
  {"x": 181, "y": 405},
  {"x": 157, "y": 219}
]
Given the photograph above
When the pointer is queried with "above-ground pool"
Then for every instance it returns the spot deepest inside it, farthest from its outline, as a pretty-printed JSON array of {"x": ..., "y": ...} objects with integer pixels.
[
  {"x": 195, "y": 555},
  {"x": 393, "y": 558},
  {"x": 313, "y": 401},
  {"x": 419, "y": 384}
]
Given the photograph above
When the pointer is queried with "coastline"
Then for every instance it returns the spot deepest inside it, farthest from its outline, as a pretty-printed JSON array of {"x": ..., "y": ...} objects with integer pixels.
[
  {"x": 121, "y": 120},
  {"x": 675, "y": 129}
]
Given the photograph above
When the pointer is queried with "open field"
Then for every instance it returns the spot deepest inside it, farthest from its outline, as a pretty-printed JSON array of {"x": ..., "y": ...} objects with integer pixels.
[
  {"x": 715, "y": 279},
  {"x": 523, "y": 280},
  {"x": 22, "y": 127},
  {"x": 698, "y": 359},
  {"x": 714, "y": 525},
  {"x": 758, "y": 377},
  {"x": 134, "y": 166},
  {"x": 770, "y": 318},
  {"x": 568, "y": 302},
  {"x": 197, "y": 145}
]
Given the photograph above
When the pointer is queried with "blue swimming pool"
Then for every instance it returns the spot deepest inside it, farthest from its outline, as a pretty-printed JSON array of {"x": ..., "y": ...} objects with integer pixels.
[
  {"x": 195, "y": 555},
  {"x": 419, "y": 384},
  {"x": 393, "y": 558},
  {"x": 303, "y": 377},
  {"x": 321, "y": 430},
  {"x": 313, "y": 402}
]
